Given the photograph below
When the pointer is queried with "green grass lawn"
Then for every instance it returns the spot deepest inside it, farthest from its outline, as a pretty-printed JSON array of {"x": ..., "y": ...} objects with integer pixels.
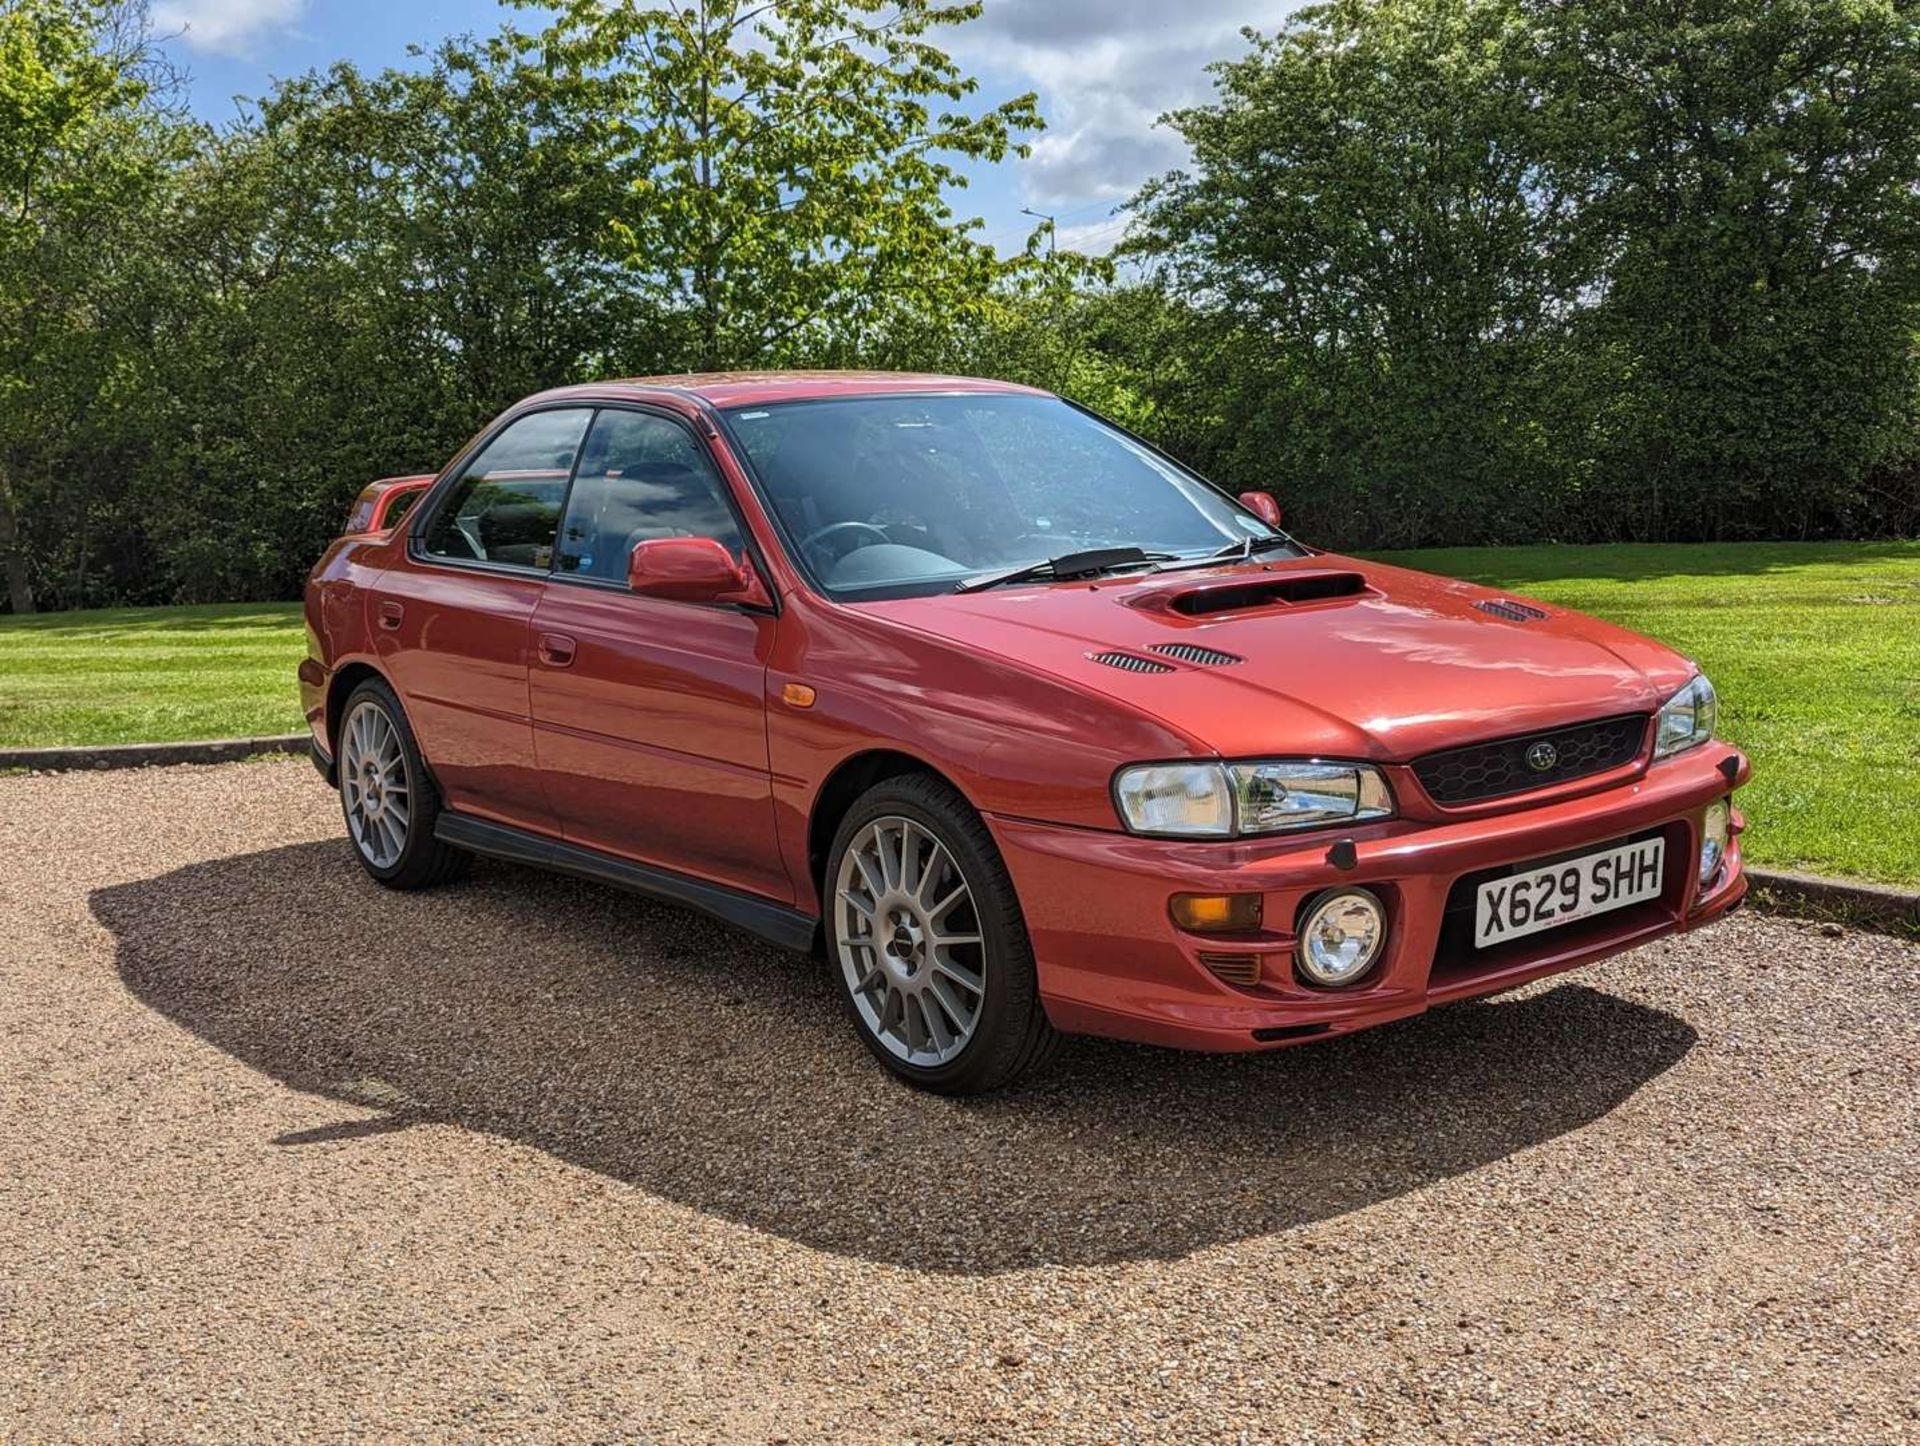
[
  {"x": 1815, "y": 648},
  {"x": 1815, "y": 651},
  {"x": 150, "y": 675}
]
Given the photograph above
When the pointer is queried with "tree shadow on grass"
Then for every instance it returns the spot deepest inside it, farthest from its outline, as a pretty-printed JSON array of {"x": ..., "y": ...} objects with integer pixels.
[
  {"x": 230, "y": 618},
  {"x": 667, "y": 1053},
  {"x": 1519, "y": 567}
]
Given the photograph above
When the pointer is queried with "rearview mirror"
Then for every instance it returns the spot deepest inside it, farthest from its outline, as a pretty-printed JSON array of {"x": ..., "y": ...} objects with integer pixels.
[
  {"x": 1262, "y": 505},
  {"x": 692, "y": 569}
]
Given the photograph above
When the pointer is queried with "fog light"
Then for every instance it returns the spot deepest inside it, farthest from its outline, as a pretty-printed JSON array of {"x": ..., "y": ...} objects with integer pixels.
[
  {"x": 1217, "y": 913},
  {"x": 1341, "y": 936},
  {"x": 1713, "y": 839}
]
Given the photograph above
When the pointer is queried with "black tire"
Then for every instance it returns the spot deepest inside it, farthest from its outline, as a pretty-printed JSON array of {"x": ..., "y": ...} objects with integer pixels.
[
  {"x": 1012, "y": 1035},
  {"x": 423, "y": 862}
]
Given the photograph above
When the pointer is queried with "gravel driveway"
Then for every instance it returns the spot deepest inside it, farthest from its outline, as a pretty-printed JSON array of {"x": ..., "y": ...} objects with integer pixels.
[{"x": 282, "y": 1154}]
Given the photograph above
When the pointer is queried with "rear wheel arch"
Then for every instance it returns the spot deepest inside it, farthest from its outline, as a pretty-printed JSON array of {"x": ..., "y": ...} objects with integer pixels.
[{"x": 339, "y": 688}]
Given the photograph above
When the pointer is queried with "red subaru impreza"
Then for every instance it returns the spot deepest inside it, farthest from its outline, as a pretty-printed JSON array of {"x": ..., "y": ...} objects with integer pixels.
[{"x": 1027, "y": 728}]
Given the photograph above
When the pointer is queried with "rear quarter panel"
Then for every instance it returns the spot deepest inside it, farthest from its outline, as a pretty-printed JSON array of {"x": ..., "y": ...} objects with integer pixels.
[{"x": 336, "y": 620}]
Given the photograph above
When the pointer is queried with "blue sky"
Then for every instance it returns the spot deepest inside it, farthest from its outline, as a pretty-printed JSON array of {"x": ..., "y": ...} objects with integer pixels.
[{"x": 1104, "y": 69}]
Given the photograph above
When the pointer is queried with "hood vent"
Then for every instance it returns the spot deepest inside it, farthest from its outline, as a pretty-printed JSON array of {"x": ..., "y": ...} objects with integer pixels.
[
  {"x": 1239, "y": 594},
  {"x": 1132, "y": 663},
  {"x": 1512, "y": 611},
  {"x": 1194, "y": 653}
]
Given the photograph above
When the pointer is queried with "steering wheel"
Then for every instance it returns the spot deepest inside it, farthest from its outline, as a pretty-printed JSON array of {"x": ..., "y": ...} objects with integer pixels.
[{"x": 821, "y": 534}]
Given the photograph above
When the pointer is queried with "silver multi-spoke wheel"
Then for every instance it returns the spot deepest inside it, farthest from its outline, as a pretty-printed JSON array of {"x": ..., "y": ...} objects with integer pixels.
[
  {"x": 910, "y": 942},
  {"x": 373, "y": 783}
]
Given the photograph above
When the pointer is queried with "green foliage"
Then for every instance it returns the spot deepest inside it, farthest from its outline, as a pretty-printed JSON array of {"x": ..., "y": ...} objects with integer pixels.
[
  {"x": 77, "y": 162},
  {"x": 1440, "y": 270},
  {"x": 1493, "y": 269},
  {"x": 784, "y": 167},
  {"x": 1747, "y": 172},
  {"x": 366, "y": 274}
]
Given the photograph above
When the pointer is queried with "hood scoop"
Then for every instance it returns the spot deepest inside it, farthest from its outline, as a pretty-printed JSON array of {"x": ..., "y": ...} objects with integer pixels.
[{"x": 1242, "y": 594}]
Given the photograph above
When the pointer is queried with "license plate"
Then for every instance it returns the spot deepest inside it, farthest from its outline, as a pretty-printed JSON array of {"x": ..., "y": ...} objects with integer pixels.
[{"x": 1549, "y": 895}]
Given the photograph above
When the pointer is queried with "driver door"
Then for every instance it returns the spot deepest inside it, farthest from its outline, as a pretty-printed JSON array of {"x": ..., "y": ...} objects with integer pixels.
[{"x": 649, "y": 714}]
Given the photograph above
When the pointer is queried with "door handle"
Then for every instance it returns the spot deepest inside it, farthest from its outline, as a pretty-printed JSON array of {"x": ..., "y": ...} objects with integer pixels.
[
  {"x": 556, "y": 649},
  {"x": 391, "y": 615}
]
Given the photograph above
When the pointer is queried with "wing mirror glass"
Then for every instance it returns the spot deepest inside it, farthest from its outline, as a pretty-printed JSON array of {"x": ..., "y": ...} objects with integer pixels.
[
  {"x": 692, "y": 569},
  {"x": 1262, "y": 505}
]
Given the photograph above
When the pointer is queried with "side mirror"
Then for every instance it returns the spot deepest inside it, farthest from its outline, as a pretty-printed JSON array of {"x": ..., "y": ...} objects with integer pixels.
[
  {"x": 1262, "y": 505},
  {"x": 692, "y": 569}
]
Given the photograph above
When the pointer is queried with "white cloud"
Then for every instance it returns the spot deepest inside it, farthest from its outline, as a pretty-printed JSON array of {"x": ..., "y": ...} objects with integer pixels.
[
  {"x": 226, "y": 27},
  {"x": 1106, "y": 70},
  {"x": 1095, "y": 238}
]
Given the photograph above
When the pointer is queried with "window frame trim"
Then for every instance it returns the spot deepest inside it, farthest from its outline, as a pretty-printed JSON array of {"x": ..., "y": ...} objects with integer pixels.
[
  {"x": 708, "y": 447},
  {"x": 732, "y": 503}
]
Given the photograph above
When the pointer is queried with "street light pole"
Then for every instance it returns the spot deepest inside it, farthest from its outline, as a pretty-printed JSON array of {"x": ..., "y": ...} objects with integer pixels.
[{"x": 1052, "y": 229}]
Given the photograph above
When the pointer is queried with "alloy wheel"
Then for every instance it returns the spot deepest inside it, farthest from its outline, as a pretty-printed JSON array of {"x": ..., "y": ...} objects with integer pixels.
[
  {"x": 374, "y": 785},
  {"x": 910, "y": 942}
]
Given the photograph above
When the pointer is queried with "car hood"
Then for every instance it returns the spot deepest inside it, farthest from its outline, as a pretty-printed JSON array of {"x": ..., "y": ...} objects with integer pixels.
[{"x": 1323, "y": 655}]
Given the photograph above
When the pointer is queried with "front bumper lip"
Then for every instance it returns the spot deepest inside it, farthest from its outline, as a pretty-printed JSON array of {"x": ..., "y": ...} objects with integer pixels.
[{"x": 1112, "y": 962}]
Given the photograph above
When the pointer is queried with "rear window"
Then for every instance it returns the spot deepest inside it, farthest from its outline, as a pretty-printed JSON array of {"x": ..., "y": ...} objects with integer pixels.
[{"x": 505, "y": 508}]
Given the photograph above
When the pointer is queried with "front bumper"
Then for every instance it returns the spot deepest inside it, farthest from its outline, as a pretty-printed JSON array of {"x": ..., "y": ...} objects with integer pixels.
[{"x": 1112, "y": 962}]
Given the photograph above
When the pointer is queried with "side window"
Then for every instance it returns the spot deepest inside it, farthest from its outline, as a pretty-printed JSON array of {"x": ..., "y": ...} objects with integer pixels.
[
  {"x": 402, "y": 505},
  {"x": 641, "y": 477},
  {"x": 506, "y": 506}
]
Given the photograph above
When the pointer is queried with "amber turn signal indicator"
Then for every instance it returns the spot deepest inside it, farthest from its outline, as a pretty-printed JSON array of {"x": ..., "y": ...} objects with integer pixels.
[
  {"x": 798, "y": 695},
  {"x": 1216, "y": 913}
]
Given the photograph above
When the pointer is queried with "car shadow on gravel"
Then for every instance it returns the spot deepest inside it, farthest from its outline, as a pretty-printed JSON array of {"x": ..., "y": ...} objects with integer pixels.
[{"x": 688, "y": 1061}]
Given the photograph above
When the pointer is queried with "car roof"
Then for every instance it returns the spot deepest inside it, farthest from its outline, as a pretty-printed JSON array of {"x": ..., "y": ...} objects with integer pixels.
[{"x": 737, "y": 389}]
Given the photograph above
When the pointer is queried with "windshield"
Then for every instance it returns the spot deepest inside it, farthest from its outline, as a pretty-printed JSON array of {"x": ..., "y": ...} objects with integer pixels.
[{"x": 894, "y": 496}]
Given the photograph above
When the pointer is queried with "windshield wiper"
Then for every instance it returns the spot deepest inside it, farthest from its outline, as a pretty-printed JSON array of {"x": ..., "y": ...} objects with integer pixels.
[
  {"x": 1250, "y": 544},
  {"x": 1233, "y": 551},
  {"x": 1069, "y": 564}
]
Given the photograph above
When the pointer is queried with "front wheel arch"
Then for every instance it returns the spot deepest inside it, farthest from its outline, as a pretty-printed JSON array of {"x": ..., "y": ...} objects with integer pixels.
[{"x": 851, "y": 778}]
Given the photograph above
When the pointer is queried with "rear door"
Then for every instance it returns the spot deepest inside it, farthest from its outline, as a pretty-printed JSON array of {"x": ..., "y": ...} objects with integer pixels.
[
  {"x": 450, "y": 619},
  {"x": 650, "y": 715}
]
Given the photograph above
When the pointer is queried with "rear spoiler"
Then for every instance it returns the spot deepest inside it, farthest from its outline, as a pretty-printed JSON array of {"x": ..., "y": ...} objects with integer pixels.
[{"x": 382, "y": 505}]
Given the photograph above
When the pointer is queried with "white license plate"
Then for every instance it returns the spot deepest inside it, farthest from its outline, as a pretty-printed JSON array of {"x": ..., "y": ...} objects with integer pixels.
[{"x": 1550, "y": 895}]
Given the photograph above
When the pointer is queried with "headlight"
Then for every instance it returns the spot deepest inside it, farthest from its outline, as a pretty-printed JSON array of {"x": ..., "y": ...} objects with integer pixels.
[
  {"x": 1224, "y": 800},
  {"x": 1188, "y": 799},
  {"x": 1686, "y": 719}
]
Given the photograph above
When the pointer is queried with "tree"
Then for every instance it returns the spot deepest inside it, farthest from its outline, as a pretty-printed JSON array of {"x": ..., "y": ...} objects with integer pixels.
[
  {"x": 368, "y": 271},
  {"x": 784, "y": 166},
  {"x": 72, "y": 78},
  {"x": 1749, "y": 179},
  {"x": 1492, "y": 270},
  {"x": 1368, "y": 229}
]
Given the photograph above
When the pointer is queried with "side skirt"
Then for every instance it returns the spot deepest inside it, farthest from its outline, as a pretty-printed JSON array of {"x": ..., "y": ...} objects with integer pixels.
[{"x": 775, "y": 923}]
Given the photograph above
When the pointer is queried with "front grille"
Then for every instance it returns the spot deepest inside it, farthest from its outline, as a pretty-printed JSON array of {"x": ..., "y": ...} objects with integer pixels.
[
  {"x": 1514, "y": 765},
  {"x": 1132, "y": 663}
]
